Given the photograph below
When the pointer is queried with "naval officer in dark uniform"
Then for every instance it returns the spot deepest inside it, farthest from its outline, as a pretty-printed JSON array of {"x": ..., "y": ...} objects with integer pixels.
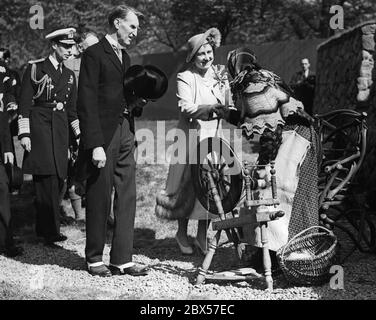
[{"x": 47, "y": 107}]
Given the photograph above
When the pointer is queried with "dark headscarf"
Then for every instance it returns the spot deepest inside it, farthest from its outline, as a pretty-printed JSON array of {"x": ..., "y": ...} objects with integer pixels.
[
  {"x": 243, "y": 67},
  {"x": 241, "y": 59}
]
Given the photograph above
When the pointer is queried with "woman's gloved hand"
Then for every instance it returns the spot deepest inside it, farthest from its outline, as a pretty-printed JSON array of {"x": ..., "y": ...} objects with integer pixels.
[{"x": 222, "y": 111}]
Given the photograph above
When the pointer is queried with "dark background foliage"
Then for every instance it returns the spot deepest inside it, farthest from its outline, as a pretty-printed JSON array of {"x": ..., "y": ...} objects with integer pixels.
[{"x": 169, "y": 23}]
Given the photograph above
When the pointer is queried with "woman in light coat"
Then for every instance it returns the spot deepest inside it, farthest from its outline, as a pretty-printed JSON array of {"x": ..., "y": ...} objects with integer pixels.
[{"x": 200, "y": 90}]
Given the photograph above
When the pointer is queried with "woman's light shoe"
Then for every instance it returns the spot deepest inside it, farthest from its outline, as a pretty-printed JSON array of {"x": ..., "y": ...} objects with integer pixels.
[
  {"x": 202, "y": 250},
  {"x": 186, "y": 250}
]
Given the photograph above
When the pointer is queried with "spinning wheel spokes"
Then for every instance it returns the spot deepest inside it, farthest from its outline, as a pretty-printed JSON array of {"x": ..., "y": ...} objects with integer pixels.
[
  {"x": 222, "y": 167},
  {"x": 219, "y": 161},
  {"x": 217, "y": 165}
]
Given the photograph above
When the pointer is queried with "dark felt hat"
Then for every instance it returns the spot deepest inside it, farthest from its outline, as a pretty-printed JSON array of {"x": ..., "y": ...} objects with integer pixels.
[
  {"x": 146, "y": 82},
  {"x": 15, "y": 176}
]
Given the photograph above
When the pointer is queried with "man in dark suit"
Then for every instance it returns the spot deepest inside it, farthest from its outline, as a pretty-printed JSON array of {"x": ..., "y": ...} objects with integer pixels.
[
  {"x": 12, "y": 84},
  {"x": 106, "y": 156},
  {"x": 7, "y": 246},
  {"x": 15, "y": 81},
  {"x": 47, "y": 107},
  {"x": 303, "y": 85}
]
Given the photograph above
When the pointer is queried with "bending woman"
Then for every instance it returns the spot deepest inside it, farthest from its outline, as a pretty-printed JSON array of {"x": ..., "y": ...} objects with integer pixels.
[{"x": 266, "y": 107}]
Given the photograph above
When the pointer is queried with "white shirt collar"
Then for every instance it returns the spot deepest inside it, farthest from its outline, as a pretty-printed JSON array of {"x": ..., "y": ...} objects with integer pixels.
[
  {"x": 113, "y": 42},
  {"x": 54, "y": 62}
]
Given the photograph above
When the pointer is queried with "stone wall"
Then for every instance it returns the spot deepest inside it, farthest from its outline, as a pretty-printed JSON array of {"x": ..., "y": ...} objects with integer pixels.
[
  {"x": 345, "y": 79},
  {"x": 344, "y": 69}
]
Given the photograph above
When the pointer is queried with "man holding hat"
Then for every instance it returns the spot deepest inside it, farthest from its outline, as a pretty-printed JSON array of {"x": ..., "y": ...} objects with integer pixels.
[
  {"x": 6, "y": 158},
  {"x": 106, "y": 156},
  {"x": 47, "y": 107}
]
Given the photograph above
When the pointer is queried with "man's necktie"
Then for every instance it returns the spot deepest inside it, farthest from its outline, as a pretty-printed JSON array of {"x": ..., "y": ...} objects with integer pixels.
[{"x": 118, "y": 52}]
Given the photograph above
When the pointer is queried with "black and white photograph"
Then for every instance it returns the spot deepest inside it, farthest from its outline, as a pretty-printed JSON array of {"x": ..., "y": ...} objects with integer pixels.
[{"x": 187, "y": 155}]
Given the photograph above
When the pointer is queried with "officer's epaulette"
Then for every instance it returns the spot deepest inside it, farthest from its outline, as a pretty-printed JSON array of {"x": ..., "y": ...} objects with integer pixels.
[{"x": 36, "y": 61}]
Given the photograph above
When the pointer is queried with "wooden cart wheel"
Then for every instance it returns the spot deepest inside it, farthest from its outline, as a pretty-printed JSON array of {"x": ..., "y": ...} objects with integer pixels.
[{"x": 216, "y": 157}]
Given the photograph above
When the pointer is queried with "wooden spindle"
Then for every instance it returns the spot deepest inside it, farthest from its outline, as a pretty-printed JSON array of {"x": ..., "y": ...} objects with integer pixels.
[
  {"x": 273, "y": 180},
  {"x": 247, "y": 178}
]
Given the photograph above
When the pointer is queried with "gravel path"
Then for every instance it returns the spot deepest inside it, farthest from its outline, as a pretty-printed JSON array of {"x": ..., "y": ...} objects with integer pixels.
[{"x": 45, "y": 273}]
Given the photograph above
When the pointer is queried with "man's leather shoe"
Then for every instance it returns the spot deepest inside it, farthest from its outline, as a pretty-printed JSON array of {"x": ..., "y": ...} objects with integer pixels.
[
  {"x": 101, "y": 271},
  {"x": 135, "y": 270},
  {"x": 12, "y": 251},
  {"x": 58, "y": 238}
]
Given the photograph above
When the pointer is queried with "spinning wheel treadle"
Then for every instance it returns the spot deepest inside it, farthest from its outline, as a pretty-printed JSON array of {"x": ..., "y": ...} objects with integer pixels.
[{"x": 215, "y": 156}]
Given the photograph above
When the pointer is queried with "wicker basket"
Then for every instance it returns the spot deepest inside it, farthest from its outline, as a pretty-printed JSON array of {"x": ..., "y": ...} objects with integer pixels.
[{"x": 306, "y": 259}]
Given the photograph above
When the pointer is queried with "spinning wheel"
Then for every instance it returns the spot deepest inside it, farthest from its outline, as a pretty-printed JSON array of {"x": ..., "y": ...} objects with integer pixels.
[
  {"x": 217, "y": 158},
  {"x": 218, "y": 182}
]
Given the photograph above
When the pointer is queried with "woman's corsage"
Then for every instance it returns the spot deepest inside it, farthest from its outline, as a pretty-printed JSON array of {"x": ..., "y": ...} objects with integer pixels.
[
  {"x": 221, "y": 79},
  {"x": 220, "y": 76}
]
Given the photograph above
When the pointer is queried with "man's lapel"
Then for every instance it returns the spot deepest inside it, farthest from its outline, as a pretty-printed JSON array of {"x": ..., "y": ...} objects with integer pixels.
[
  {"x": 126, "y": 60},
  {"x": 111, "y": 54}
]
